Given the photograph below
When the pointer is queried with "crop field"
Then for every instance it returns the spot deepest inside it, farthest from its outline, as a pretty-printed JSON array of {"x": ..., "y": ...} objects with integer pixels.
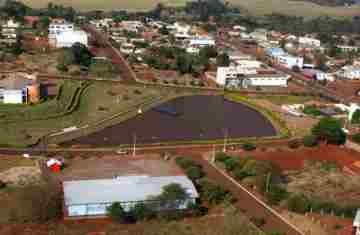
[
  {"x": 255, "y": 7},
  {"x": 86, "y": 5}
]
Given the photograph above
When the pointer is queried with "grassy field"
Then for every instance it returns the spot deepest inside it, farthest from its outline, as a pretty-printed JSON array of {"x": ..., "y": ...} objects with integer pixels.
[
  {"x": 283, "y": 100},
  {"x": 23, "y": 125},
  {"x": 255, "y": 7},
  {"x": 87, "y": 5}
]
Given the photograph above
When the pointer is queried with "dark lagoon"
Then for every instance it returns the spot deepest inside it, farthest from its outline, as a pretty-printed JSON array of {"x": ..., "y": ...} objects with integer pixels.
[{"x": 185, "y": 119}]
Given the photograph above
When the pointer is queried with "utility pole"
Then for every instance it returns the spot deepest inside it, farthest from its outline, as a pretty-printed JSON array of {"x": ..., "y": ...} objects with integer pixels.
[
  {"x": 134, "y": 145},
  {"x": 225, "y": 139},
  {"x": 213, "y": 154}
]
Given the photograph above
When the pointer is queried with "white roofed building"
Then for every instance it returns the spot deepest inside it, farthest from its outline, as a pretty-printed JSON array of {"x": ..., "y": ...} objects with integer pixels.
[
  {"x": 93, "y": 197},
  {"x": 69, "y": 38},
  {"x": 307, "y": 41},
  {"x": 356, "y": 223}
]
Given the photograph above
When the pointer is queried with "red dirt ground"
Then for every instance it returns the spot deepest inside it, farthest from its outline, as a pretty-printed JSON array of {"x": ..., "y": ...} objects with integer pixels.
[{"x": 294, "y": 159}]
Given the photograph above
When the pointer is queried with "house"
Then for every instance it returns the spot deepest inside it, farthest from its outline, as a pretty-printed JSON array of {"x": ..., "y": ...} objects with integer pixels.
[
  {"x": 15, "y": 89},
  {"x": 349, "y": 72},
  {"x": 290, "y": 61},
  {"x": 92, "y": 197},
  {"x": 57, "y": 28},
  {"x": 346, "y": 49},
  {"x": 9, "y": 32},
  {"x": 259, "y": 35},
  {"x": 356, "y": 223},
  {"x": 69, "y": 38},
  {"x": 54, "y": 165},
  {"x": 31, "y": 21},
  {"x": 224, "y": 74},
  {"x": 307, "y": 41},
  {"x": 202, "y": 41},
  {"x": 266, "y": 80},
  {"x": 248, "y": 64}
]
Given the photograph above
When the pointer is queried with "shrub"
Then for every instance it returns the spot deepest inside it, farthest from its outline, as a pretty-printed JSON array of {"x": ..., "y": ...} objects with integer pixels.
[
  {"x": 221, "y": 157},
  {"x": 116, "y": 212},
  {"x": 276, "y": 194},
  {"x": 2, "y": 184},
  {"x": 310, "y": 141},
  {"x": 248, "y": 146},
  {"x": 329, "y": 130},
  {"x": 141, "y": 212},
  {"x": 356, "y": 138},
  {"x": 231, "y": 163},
  {"x": 184, "y": 162},
  {"x": 241, "y": 174},
  {"x": 298, "y": 203},
  {"x": 294, "y": 144},
  {"x": 211, "y": 192},
  {"x": 137, "y": 92},
  {"x": 194, "y": 173}
]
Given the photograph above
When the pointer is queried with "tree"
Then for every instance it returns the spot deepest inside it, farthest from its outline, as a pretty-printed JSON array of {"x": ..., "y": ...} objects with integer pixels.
[
  {"x": 82, "y": 55},
  {"x": 183, "y": 63},
  {"x": 194, "y": 173},
  {"x": 141, "y": 212},
  {"x": 310, "y": 141},
  {"x": 116, "y": 212},
  {"x": 356, "y": 117},
  {"x": 329, "y": 130},
  {"x": 211, "y": 192},
  {"x": 223, "y": 60},
  {"x": 173, "y": 195},
  {"x": 356, "y": 138},
  {"x": 298, "y": 203}
]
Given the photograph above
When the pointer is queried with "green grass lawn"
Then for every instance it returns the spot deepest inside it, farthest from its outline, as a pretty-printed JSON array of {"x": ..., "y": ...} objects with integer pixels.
[
  {"x": 98, "y": 101},
  {"x": 282, "y": 100},
  {"x": 255, "y": 7}
]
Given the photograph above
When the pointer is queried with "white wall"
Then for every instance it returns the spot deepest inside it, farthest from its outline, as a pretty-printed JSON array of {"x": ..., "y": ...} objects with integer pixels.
[{"x": 13, "y": 97}]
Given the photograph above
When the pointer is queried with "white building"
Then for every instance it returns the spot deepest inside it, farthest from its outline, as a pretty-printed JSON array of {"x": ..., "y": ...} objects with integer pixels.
[
  {"x": 356, "y": 223},
  {"x": 321, "y": 76},
  {"x": 290, "y": 61},
  {"x": 14, "y": 90},
  {"x": 202, "y": 41},
  {"x": 93, "y": 197},
  {"x": 132, "y": 25},
  {"x": 9, "y": 29},
  {"x": 55, "y": 28},
  {"x": 349, "y": 72},
  {"x": 69, "y": 38},
  {"x": 248, "y": 64},
  {"x": 266, "y": 80},
  {"x": 225, "y": 74},
  {"x": 307, "y": 41},
  {"x": 102, "y": 23},
  {"x": 345, "y": 48}
]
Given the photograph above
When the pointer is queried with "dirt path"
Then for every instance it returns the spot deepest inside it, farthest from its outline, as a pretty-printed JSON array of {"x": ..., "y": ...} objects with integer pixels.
[{"x": 245, "y": 203}]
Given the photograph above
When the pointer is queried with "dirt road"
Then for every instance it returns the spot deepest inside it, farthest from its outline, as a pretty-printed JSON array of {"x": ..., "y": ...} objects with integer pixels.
[{"x": 246, "y": 203}]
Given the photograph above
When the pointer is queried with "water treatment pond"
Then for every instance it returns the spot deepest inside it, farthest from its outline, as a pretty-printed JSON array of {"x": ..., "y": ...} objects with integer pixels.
[{"x": 184, "y": 119}]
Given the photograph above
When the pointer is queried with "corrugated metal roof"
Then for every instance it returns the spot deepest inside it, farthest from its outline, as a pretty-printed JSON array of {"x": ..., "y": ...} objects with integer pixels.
[
  {"x": 356, "y": 222},
  {"x": 121, "y": 189}
]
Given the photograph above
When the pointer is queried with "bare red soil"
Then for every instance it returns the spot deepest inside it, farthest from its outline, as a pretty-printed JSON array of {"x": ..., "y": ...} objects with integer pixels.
[{"x": 294, "y": 159}]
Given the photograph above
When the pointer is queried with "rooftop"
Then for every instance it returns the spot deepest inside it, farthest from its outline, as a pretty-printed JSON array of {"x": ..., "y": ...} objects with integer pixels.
[
  {"x": 121, "y": 189},
  {"x": 17, "y": 83}
]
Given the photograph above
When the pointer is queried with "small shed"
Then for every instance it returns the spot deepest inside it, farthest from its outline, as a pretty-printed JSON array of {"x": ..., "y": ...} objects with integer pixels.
[{"x": 54, "y": 165}]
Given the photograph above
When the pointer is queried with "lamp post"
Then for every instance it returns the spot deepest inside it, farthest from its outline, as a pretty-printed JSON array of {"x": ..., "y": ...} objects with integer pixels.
[
  {"x": 134, "y": 144},
  {"x": 225, "y": 131}
]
